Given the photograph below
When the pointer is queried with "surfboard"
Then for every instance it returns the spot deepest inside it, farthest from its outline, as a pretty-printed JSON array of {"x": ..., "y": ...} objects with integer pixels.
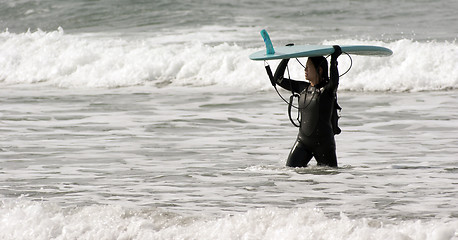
[{"x": 297, "y": 51}]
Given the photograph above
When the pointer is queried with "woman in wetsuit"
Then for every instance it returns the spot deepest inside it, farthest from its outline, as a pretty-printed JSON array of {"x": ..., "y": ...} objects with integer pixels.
[{"x": 317, "y": 100}]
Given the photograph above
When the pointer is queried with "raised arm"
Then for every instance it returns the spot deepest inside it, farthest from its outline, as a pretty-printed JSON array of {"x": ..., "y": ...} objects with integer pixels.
[
  {"x": 334, "y": 71},
  {"x": 286, "y": 83}
]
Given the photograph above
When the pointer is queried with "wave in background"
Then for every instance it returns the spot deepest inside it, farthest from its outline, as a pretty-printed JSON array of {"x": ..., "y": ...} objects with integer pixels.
[
  {"x": 325, "y": 19},
  {"x": 105, "y": 61},
  {"x": 38, "y": 220}
]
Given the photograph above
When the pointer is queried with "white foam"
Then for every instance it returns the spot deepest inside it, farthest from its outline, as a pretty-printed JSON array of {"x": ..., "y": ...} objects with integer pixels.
[
  {"x": 414, "y": 66},
  {"x": 22, "y": 219},
  {"x": 63, "y": 60}
]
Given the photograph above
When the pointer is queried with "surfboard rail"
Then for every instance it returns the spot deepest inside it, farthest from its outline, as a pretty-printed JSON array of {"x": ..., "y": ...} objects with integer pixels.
[{"x": 297, "y": 51}]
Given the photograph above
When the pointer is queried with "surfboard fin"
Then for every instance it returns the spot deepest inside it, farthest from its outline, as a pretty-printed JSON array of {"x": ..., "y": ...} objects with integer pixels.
[{"x": 269, "y": 47}]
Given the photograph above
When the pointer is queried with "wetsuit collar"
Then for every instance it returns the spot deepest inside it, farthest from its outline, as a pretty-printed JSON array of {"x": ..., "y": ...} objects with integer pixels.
[{"x": 321, "y": 84}]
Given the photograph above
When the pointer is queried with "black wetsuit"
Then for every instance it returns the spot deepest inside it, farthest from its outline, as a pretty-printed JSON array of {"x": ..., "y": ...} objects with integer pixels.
[{"x": 316, "y": 105}]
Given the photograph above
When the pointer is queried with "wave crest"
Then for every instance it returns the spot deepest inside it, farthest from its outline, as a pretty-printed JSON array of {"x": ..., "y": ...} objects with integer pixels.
[{"x": 104, "y": 61}]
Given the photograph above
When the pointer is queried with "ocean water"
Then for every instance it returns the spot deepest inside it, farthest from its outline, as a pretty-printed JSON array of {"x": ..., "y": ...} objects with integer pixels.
[{"x": 146, "y": 120}]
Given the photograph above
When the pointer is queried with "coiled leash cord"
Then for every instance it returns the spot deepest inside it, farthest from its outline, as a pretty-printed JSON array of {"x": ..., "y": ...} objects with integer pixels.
[{"x": 293, "y": 94}]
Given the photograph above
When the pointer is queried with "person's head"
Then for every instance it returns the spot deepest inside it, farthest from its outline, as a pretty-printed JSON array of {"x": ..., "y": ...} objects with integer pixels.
[{"x": 316, "y": 69}]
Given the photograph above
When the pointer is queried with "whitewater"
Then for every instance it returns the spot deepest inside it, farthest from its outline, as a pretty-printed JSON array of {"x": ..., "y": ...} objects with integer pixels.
[{"x": 89, "y": 60}]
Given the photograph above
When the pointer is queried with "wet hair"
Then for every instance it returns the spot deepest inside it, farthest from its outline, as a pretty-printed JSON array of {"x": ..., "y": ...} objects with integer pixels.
[{"x": 321, "y": 62}]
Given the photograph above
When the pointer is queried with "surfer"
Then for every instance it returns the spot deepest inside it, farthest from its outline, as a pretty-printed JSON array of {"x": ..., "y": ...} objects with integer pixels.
[{"x": 317, "y": 103}]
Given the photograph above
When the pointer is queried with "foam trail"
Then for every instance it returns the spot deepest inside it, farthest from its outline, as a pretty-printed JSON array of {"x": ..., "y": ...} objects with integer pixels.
[
  {"x": 73, "y": 61},
  {"x": 23, "y": 219}
]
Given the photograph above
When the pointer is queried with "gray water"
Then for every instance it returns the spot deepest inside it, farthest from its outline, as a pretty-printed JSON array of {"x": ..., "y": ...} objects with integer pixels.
[
  {"x": 294, "y": 20},
  {"x": 225, "y": 151},
  {"x": 147, "y": 120}
]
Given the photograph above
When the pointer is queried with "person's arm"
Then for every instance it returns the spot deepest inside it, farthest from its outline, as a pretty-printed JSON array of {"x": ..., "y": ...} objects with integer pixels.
[
  {"x": 286, "y": 83},
  {"x": 334, "y": 71}
]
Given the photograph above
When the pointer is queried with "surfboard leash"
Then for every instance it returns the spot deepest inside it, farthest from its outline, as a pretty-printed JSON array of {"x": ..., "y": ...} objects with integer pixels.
[
  {"x": 272, "y": 81},
  {"x": 349, "y": 56},
  {"x": 291, "y": 98},
  {"x": 351, "y": 64},
  {"x": 295, "y": 95}
]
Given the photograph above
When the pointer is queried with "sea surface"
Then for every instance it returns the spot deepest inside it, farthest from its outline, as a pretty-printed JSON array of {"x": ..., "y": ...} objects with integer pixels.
[{"x": 147, "y": 120}]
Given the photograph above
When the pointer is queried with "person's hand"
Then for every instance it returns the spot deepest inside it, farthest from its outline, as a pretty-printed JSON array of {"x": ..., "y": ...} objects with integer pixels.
[{"x": 337, "y": 52}]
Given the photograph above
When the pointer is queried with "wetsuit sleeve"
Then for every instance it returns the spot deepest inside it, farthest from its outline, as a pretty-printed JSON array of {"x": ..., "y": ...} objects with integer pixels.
[
  {"x": 334, "y": 71},
  {"x": 286, "y": 83}
]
